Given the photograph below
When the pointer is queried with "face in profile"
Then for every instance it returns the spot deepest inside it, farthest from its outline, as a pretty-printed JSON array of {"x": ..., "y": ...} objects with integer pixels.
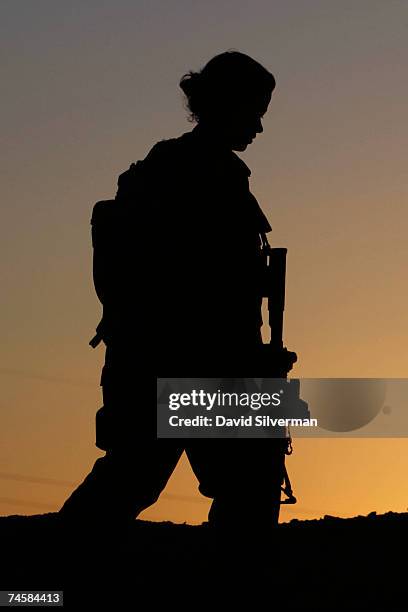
[{"x": 244, "y": 121}]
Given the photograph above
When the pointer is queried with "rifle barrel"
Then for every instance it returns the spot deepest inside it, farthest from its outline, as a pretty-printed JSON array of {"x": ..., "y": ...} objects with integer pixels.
[{"x": 276, "y": 279}]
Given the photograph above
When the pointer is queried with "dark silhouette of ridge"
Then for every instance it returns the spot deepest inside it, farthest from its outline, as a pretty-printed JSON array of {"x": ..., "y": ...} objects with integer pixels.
[{"x": 326, "y": 564}]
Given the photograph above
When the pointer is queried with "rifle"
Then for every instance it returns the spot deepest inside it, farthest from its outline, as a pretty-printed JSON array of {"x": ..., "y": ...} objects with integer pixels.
[{"x": 276, "y": 360}]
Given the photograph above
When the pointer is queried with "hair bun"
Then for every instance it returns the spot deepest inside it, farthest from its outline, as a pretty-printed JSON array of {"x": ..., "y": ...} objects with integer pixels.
[{"x": 190, "y": 83}]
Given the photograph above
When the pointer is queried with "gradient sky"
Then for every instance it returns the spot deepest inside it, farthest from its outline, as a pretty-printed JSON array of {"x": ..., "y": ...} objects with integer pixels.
[{"x": 90, "y": 86}]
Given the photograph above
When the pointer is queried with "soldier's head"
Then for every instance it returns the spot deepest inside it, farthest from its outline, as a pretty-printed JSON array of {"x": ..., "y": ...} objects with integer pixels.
[{"x": 229, "y": 96}]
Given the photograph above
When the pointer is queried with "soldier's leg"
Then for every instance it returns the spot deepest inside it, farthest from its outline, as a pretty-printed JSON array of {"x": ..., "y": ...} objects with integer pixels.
[
  {"x": 137, "y": 466},
  {"x": 251, "y": 500},
  {"x": 243, "y": 477},
  {"x": 123, "y": 482}
]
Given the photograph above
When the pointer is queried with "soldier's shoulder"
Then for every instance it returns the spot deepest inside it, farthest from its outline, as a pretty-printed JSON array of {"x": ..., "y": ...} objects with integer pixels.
[{"x": 166, "y": 150}]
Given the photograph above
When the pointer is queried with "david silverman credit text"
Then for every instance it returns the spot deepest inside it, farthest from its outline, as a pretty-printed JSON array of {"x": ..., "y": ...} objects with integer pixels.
[{"x": 242, "y": 421}]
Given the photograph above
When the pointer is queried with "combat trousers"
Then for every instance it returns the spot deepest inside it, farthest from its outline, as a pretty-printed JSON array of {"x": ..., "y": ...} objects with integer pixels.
[
  {"x": 244, "y": 478},
  {"x": 136, "y": 466}
]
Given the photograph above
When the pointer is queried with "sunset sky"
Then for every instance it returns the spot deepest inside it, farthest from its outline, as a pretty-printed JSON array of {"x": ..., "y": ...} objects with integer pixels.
[{"x": 87, "y": 88}]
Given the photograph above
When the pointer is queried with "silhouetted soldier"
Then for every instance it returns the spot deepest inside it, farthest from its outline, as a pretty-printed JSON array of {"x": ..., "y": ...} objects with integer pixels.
[{"x": 184, "y": 300}]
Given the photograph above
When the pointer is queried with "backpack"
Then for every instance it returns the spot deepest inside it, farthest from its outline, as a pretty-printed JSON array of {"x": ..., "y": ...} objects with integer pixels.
[{"x": 111, "y": 221}]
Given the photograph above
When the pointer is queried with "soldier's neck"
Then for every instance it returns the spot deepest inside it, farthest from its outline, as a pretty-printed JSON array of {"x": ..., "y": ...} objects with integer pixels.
[{"x": 212, "y": 136}]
